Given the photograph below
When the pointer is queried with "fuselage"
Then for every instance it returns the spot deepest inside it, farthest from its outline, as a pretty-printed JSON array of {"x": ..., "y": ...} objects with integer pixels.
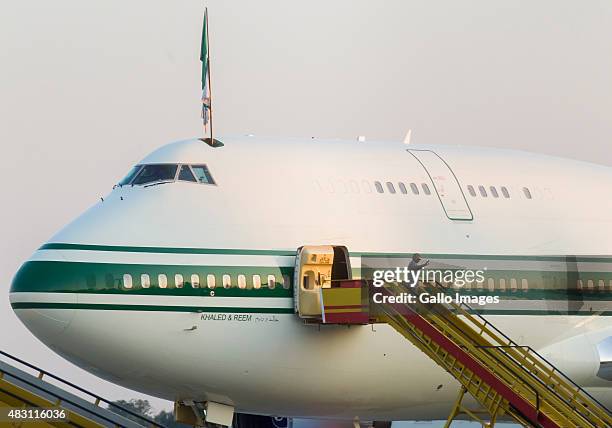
[{"x": 156, "y": 287}]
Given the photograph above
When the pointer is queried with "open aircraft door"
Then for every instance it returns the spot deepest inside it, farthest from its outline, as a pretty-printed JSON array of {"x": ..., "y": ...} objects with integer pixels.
[
  {"x": 317, "y": 267},
  {"x": 445, "y": 183}
]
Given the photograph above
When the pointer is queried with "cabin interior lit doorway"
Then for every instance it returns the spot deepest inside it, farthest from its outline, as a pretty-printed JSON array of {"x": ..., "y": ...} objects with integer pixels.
[{"x": 316, "y": 267}]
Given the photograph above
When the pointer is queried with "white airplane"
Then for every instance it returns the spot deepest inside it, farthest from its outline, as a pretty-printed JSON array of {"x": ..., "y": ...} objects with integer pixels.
[{"x": 180, "y": 283}]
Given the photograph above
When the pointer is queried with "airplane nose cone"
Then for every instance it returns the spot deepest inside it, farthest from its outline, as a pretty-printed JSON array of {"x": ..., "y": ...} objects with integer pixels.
[{"x": 39, "y": 299}]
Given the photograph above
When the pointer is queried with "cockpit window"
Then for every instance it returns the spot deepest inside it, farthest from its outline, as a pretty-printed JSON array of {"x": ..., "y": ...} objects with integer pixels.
[
  {"x": 165, "y": 173},
  {"x": 128, "y": 178},
  {"x": 155, "y": 173},
  {"x": 203, "y": 174},
  {"x": 185, "y": 174}
]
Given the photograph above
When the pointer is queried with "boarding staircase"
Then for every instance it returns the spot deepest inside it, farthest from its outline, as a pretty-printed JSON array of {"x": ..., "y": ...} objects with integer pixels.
[
  {"x": 506, "y": 379},
  {"x": 19, "y": 388}
]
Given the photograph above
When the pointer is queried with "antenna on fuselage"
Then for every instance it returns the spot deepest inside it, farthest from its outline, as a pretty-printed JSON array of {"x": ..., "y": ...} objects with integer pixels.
[
  {"x": 207, "y": 111},
  {"x": 407, "y": 137}
]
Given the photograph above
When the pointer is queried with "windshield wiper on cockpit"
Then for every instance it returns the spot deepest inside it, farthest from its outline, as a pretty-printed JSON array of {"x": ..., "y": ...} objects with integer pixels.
[{"x": 158, "y": 182}]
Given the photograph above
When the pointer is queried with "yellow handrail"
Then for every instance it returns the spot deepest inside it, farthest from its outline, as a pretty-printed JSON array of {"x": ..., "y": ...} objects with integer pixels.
[{"x": 547, "y": 396}]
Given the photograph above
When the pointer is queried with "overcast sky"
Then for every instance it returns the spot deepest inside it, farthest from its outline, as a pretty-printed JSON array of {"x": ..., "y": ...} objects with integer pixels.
[{"x": 87, "y": 88}]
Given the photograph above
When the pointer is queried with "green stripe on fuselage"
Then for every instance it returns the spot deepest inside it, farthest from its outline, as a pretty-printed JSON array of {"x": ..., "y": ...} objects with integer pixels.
[
  {"x": 198, "y": 309},
  {"x": 165, "y": 250},
  {"x": 107, "y": 278},
  {"x": 148, "y": 308},
  {"x": 235, "y": 251}
]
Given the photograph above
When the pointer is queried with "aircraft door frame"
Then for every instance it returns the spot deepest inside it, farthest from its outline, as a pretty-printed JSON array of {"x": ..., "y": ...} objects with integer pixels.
[
  {"x": 317, "y": 267},
  {"x": 446, "y": 184}
]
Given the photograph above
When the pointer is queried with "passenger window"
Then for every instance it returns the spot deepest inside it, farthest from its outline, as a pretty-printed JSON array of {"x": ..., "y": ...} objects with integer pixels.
[
  {"x": 524, "y": 285},
  {"x": 513, "y": 285},
  {"x": 414, "y": 188},
  {"x": 195, "y": 280},
  {"x": 241, "y": 281},
  {"x": 527, "y": 193},
  {"x": 202, "y": 174},
  {"x": 390, "y": 187},
  {"x": 482, "y": 191},
  {"x": 601, "y": 285},
  {"x": 494, "y": 192},
  {"x": 491, "y": 284},
  {"x": 130, "y": 176},
  {"x": 178, "y": 280},
  {"x": 426, "y": 189},
  {"x": 271, "y": 282},
  {"x": 127, "y": 280},
  {"x": 402, "y": 187},
  {"x": 185, "y": 174},
  {"x": 378, "y": 186},
  {"x": 471, "y": 190},
  {"x": 505, "y": 192},
  {"x": 502, "y": 284},
  {"x": 162, "y": 280},
  {"x": 256, "y": 282},
  {"x": 286, "y": 282},
  {"x": 210, "y": 281},
  {"x": 155, "y": 173},
  {"x": 145, "y": 280},
  {"x": 227, "y": 281},
  {"x": 367, "y": 188}
]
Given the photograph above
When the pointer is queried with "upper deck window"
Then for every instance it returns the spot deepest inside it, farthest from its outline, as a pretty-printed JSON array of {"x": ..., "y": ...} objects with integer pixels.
[{"x": 155, "y": 174}]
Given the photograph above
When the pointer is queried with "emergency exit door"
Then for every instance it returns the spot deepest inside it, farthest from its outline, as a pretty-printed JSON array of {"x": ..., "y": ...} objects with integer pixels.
[{"x": 445, "y": 183}]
